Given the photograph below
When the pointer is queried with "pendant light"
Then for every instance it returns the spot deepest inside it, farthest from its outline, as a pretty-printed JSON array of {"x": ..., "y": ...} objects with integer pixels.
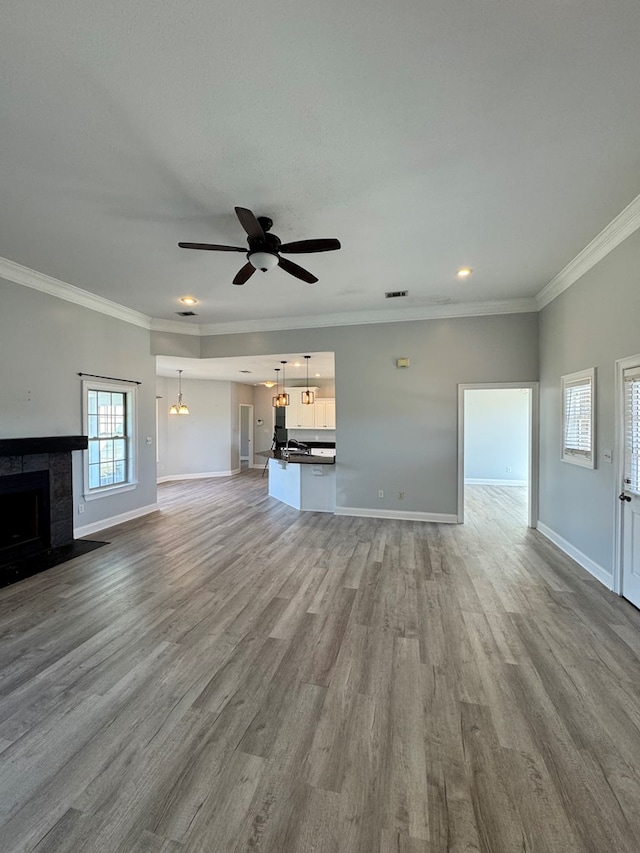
[
  {"x": 308, "y": 397},
  {"x": 275, "y": 401},
  {"x": 179, "y": 408},
  {"x": 283, "y": 398}
]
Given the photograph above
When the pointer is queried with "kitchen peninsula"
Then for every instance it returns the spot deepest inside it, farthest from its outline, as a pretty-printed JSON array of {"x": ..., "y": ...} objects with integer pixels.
[{"x": 305, "y": 481}]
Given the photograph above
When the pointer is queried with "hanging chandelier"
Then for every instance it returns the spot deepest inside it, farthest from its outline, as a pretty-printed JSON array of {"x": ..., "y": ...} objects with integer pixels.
[
  {"x": 275, "y": 401},
  {"x": 283, "y": 398},
  {"x": 179, "y": 408},
  {"x": 308, "y": 397}
]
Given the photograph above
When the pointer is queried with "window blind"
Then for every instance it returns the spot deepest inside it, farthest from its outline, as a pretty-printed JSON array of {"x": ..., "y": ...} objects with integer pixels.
[
  {"x": 577, "y": 418},
  {"x": 632, "y": 430}
]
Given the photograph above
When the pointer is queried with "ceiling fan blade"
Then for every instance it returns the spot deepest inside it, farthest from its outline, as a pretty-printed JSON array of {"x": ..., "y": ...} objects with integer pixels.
[
  {"x": 211, "y": 247},
  {"x": 250, "y": 223},
  {"x": 244, "y": 274},
  {"x": 302, "y": 246},
  {"x": 294, "y": 269}
]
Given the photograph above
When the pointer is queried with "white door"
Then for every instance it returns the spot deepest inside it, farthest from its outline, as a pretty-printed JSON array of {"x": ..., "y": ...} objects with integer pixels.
[{"x": 630, "y": 495}]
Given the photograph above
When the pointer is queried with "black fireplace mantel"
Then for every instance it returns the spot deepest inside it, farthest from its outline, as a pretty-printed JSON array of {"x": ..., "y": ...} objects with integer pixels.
[{"x": 46, "y": 444}]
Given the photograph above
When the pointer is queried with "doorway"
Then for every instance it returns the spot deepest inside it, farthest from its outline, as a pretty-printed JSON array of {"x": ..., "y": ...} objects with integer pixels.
[
  {"x": 627, "y": 561},
  {"x": 245, "y": 437},
  {"x": 498, "y": 446}
]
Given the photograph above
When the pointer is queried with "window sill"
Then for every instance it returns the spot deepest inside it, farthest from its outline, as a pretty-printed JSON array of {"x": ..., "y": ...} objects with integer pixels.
[{"x": 109, "y": 490}]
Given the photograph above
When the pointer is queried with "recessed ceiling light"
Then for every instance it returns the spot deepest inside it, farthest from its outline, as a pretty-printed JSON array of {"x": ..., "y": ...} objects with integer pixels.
[
  {"x": 464, "y": 272},
  {"x": 317, "y": 375},
  {"x": 188, "y": 300},
  {"x": 269, "y": 384}
]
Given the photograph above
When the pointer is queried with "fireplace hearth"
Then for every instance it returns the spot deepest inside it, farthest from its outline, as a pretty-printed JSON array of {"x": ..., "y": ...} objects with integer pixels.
[{"x": 36, "y": 496}]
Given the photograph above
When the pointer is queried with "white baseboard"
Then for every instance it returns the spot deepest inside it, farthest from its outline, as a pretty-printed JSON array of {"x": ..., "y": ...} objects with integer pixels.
[
  {"x": 605, "y": 577},
  {"x": 205, "y": 475},
  {"x": 89, "y": 529},
  {"x": 401, "y": 515},
  {"x": 471, "y": 481}
]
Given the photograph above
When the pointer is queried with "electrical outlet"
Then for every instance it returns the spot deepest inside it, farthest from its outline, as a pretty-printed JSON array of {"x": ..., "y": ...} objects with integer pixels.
[
  {"x": 509, "y": 469},
  {"x": 380, "y": 494},
  {"x": 80, "y": 509},
  {"x": 400, "y": 496}
]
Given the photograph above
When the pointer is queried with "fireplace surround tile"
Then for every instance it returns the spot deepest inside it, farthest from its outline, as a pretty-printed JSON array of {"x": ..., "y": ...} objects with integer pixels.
[
  {"x": 28, "y": 455},
  {"x": 10, "y": 465}
]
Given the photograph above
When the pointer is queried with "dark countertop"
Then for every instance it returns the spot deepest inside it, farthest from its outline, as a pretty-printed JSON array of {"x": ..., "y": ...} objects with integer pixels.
[
  {"x": 325, "y": 445},
  {"x": 299, "y": 458}
]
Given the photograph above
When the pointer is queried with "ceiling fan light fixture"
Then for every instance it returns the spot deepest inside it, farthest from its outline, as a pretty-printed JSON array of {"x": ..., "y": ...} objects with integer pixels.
[{"x": 263, "y": 261}]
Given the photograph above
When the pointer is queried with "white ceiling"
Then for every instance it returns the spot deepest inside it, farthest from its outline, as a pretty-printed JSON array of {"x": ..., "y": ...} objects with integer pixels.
[
  {"x": 424, "y": 135},
  {"x": 261, "y": 367}
]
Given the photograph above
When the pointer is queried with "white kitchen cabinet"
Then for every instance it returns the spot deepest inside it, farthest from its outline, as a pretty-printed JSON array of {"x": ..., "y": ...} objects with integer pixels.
[
  {"x": 297, "y": 415},
  {"x": 325, "y": 413},
  {"x": 320, "y": 415}
]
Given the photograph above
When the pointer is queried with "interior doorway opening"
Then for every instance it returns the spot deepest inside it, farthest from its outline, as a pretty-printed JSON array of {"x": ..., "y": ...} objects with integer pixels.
[
  {"x": 245, "y": 436},
  {"x": 497, "y": 450}
]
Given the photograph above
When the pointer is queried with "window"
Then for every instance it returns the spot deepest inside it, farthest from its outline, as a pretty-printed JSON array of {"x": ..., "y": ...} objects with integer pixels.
[
  {"x": 109, "y": 425},
  {"x": 632, "y": 430},
  {"x": 578, "y": 418}
]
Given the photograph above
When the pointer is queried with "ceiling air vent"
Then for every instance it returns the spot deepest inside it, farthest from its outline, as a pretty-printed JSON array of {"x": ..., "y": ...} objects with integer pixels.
[
  {"x": 394, "y": 294},
  {"x": 186, "y": 313}
]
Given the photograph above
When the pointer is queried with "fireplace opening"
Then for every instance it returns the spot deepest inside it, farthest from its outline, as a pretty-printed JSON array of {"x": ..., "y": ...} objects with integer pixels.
[{"x": 25, "y": 521}]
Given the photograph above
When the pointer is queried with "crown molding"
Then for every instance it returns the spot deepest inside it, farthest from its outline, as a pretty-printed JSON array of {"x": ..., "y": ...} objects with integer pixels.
[
  {"x": 361, "y": 318},
  {"x": 54, "y": 287},
  {"x": 175, "y": 327},
  {"x": 616, "y": 231}
]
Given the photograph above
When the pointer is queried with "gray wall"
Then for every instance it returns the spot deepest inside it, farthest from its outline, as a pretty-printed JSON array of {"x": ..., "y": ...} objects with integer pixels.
[
  {"x": 496, "y": 434},
  {"x": 591, "y": 324},
  {"x": 205, "y": 440},
  {"x": 44, "y": 342},
  {"x": 397, "y": 428},
  {"x": 263, "y": 410}
]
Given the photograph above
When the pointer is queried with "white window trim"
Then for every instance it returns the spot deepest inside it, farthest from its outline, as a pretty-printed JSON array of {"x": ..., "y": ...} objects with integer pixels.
[
  {"x": 566, "y": 381},
  {"x": 132, "y": 431}
]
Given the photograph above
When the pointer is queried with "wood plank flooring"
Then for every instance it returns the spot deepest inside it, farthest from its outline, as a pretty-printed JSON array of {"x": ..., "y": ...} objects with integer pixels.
[{"x": 230, "y": 675}]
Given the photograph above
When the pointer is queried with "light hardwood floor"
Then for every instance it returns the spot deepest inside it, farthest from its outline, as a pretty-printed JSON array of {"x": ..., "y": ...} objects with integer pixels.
[{"x": 232, "y": 675}]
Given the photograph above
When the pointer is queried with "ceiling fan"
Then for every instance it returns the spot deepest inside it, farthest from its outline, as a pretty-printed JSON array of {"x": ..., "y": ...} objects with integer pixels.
[{"x": 264, "y": 248}]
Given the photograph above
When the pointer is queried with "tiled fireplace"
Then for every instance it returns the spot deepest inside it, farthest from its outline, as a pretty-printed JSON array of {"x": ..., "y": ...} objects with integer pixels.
[{"x": 36, "y": 497}]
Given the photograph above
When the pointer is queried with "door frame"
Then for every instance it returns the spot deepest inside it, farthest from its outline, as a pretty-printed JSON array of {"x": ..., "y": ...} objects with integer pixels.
[
  {"x": 534, "y": 430},
  {"x": 621, "y": 365},
  {"x": 251, "y": 453}
]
